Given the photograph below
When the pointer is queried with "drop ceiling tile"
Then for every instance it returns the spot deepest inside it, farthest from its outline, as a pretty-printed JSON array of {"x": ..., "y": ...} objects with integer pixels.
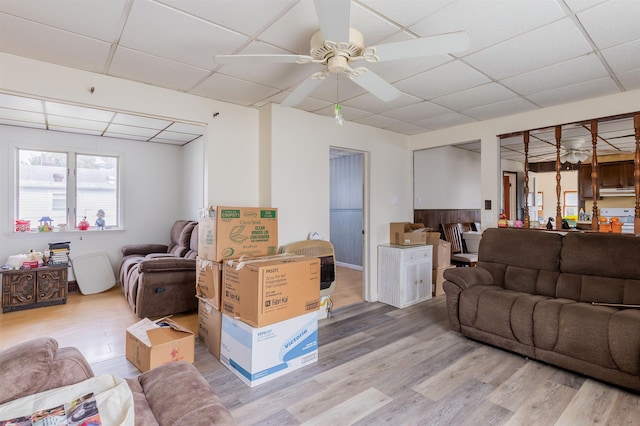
[
  {"x": 489, "y": 22},
  {"x": 293, "y": 31},
  {"x": 531, "y": 51},
  {"x": 623, "y": 15},
  {"x": 50, "y": 44},
  {"x": 233, "y": 90},
  {"x": 168, "y": 141},
  {"x": 630, "y": 80},
  {"x": 448, "y": 78},
  {"x": 194, "y": 44},
  {"x": 369, "y": 102},
  {"x": 407, "y": 129},
  {"x": 623, "y": 57},
  {"x": 442, "y": 121},
  {"x": 380, "y": 121},
  {"x": 476, "y": 96},
  {"x": 417, "y": 111},
  {"x": 132, "y": 130},
  {"x": 583, "y": 68},
  {"x": 313, "y": 104},
  {"x": 124, "y": 136},
  {"x": 371, "y": 25},
  {"x": 337, "y": 87},
  {"x": 139, "y": 66},
  {"x": 82, "y": 20},
  {"x": 406, "y": 12},
  {"x": 75, "y": 123},
  {"x": 192, "y": 129},
  {"x": 140, "y": 121},
  {"x": 78, "y": 130},
  {"x": 246, "y": 16},
  {"x": 55, "y": 108},
  {"x": 20, "y": 103},
  {"x": 576, "y": 92},
  {"x": 175, "y": 136},
  {"x": 7, "y": 122},
  {"x": 579, "y": 5},
  {"x": 499, "y": 109},
  {"x": 22, "y": 116}
]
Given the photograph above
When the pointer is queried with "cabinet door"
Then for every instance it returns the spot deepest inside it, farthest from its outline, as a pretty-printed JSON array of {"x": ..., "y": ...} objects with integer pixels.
[
  {"x": 423, "y": 270},
  {"x": 611, "y": 175},
  {"x": 52, "y": 285},
  {"x": 18, "y": 289},
  {"x": 585, "y": 181}
]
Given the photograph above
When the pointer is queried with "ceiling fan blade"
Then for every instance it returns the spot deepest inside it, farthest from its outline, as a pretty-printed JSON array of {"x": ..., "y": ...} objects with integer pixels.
[
  {"x": 375, "y": 84},
  {"x": 334, "y": 18},
  {"x": 304, "y": 89},
  {"x": 275, "y": 59},
  {"x": 419, "y": 47}
]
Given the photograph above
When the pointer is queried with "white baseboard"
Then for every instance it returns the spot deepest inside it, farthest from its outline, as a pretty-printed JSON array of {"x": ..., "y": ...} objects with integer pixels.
[{"x": 350, "y": 266}]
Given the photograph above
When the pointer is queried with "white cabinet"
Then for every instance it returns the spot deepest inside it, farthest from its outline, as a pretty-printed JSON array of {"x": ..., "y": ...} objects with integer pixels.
[{"x": 404, "y": 274}]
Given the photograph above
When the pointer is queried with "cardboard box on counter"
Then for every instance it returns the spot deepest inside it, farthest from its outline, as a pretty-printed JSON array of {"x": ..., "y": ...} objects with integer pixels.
[
  {"x": 407, "y": 234},
  {"x": 437, "y": 278},
  {"x": 153, "y": 343},
  {"x": 232, "y": 232},
  {"x": 209, "y": 327},
  {"x": 209, "y": 281},
  {"x": 265, "y": 290},
  {"x": 257, "y": 355}
]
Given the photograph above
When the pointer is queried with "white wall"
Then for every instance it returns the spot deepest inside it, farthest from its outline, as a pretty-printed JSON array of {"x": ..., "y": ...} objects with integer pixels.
[
  {"x": 152, "y": 181},
  {"x": 446, "y": 178},
  {"x": 546, "y": 183},
  {"x": 487, "y": 131},
  {"x": 299, "y": 182}
]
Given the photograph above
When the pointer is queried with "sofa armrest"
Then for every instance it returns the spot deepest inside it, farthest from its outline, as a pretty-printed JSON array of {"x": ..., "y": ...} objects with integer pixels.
[
  {"x": 144, "y": 249},
  {"x": 456, "y": 280},
  {"x": 167, "y": 264},
  {"x": 467, "y": 277},
  {"x": 178, "y": 395},
  {"x": 69, "y": 367}
]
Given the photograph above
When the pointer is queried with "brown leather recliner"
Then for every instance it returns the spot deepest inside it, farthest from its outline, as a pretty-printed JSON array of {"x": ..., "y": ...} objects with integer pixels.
[{"x": 158, "y": 279}]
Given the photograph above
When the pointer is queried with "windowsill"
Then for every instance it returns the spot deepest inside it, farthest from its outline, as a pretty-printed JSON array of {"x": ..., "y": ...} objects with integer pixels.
[{"x": 61, "y": 234}]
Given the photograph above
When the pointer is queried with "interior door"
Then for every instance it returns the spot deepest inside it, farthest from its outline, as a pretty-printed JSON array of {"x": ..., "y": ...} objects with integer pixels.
[{"x": 506, "y": 190}]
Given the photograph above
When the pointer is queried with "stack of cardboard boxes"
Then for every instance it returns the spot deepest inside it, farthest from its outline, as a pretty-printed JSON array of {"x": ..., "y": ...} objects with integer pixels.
[
  {"x": 257, "y": 310},
  {"x": 406, "y": 234}
]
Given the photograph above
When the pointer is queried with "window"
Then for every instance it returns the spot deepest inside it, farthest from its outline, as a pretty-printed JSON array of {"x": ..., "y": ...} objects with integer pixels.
[
  {"x": 67, "y": 187},
  {"x": 570, "y": 204}
]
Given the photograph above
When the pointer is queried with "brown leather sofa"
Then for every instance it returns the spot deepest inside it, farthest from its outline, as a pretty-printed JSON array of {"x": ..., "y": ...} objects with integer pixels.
[
  {"x": 171, "y": 394},
  {"x": 159, "y": 279},
  {"x": 532, "y": 292}
]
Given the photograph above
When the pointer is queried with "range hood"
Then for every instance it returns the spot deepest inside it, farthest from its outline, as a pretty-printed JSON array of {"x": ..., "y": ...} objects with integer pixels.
[{"x": 617, "y": 192}]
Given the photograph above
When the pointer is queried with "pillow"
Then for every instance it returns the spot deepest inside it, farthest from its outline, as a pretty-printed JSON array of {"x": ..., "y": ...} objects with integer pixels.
[{"x": 24, "y": 368}]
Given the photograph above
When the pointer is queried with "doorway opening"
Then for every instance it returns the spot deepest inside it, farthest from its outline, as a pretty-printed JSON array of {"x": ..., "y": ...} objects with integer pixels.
[{"x": 347, "y": 224}]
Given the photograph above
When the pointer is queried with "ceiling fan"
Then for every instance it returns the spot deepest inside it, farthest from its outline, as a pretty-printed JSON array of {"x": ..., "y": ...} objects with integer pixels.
[
  {"x": 337, "y": 46},
  {"x": 571, "y": 152}
]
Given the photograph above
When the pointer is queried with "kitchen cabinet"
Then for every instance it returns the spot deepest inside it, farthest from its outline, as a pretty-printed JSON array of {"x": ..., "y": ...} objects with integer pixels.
[
  {"x": 616, "y": 174},
  {"x": 32, "y": 288},
  {"x": 404, "y": 274}
]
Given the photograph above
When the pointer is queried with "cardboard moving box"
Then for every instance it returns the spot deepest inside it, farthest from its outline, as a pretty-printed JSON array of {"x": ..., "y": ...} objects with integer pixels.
[
  {"x": 153, "y": 343},
  {"x": 266, "y": 290},
  {"x": 438, "y": 279},
  {"x": 209, "y": 327},
  {"x": 257, "y": 355},
  {"x": 407, "y": 234},
  {"x": 233, "y": 232},
  {"x": 209, "y": 281}
]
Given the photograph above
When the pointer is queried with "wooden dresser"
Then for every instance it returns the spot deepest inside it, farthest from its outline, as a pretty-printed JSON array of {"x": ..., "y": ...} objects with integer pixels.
[{"x": 32, "y": 288}]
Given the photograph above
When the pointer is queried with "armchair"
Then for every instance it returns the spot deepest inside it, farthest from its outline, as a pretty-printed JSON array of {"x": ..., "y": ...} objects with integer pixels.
[{"x": 162, "y": 282}]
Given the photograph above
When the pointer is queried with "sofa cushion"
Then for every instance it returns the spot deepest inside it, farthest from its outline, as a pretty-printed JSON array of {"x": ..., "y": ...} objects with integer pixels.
[
  {"x": 583, "y": 333},
  {"x": 624, "y": 340},
  {"x": 605, "y": 255},
  {"x": 533, "y": 250},
  {"x": 25, "y": 368},
  {"x": 546, "y": 322}
]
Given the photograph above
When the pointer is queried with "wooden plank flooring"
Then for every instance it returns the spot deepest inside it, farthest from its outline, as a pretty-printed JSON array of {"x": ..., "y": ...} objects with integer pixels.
[{"x": 377, "y": 365}]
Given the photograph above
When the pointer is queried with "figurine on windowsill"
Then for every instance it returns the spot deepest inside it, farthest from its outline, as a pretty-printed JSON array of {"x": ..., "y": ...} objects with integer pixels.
[
  {"x": 84, "y": 224},
  {"x": 100, "y": 219},
  {"x": 549, "y": 223}
]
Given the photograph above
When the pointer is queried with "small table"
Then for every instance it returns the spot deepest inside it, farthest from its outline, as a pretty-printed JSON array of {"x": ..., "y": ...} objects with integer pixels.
[{"x": 33, "y": 288}]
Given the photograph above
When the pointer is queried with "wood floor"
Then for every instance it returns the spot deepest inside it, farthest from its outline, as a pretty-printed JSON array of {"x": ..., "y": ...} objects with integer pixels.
[{"x": 377, "y": 365}]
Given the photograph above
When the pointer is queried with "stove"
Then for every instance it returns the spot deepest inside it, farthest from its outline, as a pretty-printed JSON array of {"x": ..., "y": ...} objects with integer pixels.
[{"x": 625, "y": 215}]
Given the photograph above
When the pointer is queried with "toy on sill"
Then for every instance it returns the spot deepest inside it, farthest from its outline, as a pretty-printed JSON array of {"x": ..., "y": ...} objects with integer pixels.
[
  {"x": 45, "y": 224},
  {"x": 100, "y": 219},
  {"x": 503, "y": 222},
  {"x": 84, "y": 224}
]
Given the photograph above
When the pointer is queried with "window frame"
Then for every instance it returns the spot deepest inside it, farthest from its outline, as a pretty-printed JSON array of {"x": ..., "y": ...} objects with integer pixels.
[{"x": 72, "y": 215}]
